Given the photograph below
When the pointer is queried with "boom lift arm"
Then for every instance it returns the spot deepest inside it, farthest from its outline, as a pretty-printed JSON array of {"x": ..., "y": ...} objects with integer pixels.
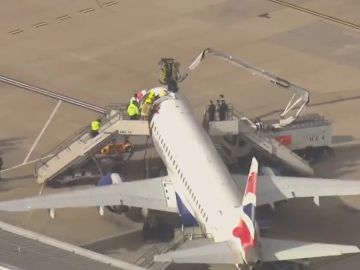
[{"x": 300, "y": 95}]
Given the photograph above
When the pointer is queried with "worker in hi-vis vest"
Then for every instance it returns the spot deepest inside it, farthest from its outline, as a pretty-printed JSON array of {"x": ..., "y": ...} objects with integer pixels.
[
  {"x": 95, "y": 127},
  {"x": 145, "y": 110},
  {"x": 133, "y": 110}
]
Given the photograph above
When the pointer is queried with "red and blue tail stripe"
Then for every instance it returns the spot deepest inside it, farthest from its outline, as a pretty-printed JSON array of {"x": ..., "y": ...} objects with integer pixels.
[{"x": 245, "y": 231}]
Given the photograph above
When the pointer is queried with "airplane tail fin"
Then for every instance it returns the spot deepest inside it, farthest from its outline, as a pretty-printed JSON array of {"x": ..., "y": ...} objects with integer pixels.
[{"x": 246, "y": 230}]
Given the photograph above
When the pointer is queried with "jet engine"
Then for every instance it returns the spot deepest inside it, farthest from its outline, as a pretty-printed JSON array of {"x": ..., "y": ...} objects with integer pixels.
[
  {"x": 113, "y": 179},
  {"x": 155, "y": 227}
]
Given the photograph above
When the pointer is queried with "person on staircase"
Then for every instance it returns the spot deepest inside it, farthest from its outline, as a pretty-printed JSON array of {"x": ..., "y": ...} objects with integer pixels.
[
  {"x": 147, "y": 106},
  {"x": 133, "y": 110},
  {"x": 95, "y": 127}
]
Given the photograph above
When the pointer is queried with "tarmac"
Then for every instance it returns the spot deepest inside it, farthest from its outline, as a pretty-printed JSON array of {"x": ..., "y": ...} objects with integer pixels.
[{"x": 103, "y": 51}]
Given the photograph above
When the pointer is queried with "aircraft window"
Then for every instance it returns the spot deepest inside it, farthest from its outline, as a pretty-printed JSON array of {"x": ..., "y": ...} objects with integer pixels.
[
  {"x": 206, "y": 219},
  {"x": 174, "y": 162}
]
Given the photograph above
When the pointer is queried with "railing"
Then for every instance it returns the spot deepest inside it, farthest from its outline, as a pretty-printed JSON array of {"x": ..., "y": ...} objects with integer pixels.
[
  {"x": 147, "y": 259},
  {"x": 120, "y": 107},
  {"x": 83, "y": 134},
  {"x": 60, "y": 147}
]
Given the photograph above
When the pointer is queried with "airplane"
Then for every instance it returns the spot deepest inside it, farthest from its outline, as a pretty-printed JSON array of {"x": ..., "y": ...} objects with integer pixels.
[{"x": 201, "y": 190}]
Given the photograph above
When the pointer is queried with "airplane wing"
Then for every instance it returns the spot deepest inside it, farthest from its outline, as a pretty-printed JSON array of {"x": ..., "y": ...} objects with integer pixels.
[
  {"x": 269, "y": 250},
  {"x": 287, "y": 250},
  {"x": 154, "y": 193},
  {"x": 272, "y": 188}
]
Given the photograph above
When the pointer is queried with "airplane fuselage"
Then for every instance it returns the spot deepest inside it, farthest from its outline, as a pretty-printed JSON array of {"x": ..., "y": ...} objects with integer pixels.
[{"x": 201, "y": 178}]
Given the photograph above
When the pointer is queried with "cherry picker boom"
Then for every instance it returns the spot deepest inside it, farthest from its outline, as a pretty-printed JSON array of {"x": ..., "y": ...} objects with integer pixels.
[{"x": 299, "y": 98}]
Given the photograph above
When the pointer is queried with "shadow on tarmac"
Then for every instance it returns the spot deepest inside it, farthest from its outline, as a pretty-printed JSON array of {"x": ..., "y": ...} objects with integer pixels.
[
  {"x": 345, "y": 161},
  {"x": 132, "y": 241},
  {"x": 10, "y": 144}
]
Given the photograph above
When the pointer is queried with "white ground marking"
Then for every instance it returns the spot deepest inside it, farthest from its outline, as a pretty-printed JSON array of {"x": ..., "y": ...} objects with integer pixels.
[
  {"x": 42, "y": 131},
  {"x": 24, "y": 164}
]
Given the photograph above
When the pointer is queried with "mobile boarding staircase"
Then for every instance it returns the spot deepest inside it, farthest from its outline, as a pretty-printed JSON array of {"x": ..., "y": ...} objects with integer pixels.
[
  {"x": 238, "y": 125},
  {"x": 80, "y": 146}
]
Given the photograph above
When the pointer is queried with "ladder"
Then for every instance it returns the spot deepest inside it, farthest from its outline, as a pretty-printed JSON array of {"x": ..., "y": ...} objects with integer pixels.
[
  {"x": 81, "y": 146},
  {"x": 147, "y": 259}
]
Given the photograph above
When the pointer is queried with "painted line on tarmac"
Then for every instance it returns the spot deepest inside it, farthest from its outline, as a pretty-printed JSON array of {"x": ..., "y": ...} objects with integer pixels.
[
  {"x": 317, "y": 14},
  {"x": 42, "y": 131},
  {"x": 24, "y": 164}
]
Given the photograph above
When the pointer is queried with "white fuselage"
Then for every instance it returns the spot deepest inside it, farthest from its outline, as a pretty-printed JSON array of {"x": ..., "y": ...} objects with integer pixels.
[{"x": 200, "y": 177}]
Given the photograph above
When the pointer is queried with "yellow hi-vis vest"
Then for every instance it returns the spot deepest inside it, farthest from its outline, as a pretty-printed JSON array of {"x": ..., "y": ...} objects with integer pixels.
[
  {"x": 95, "y": 125},
  {"x": 132, "y": 109},
  {"x": 150, "y": 98}
]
